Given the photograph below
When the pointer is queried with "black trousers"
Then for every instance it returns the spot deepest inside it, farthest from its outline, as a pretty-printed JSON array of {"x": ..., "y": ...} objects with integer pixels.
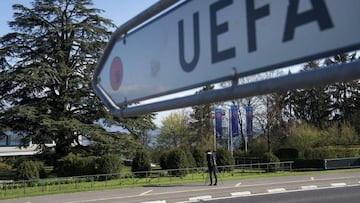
[{"x": 212, "y": 172}]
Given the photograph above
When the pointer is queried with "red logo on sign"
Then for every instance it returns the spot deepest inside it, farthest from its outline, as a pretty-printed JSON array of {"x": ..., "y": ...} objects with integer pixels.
[{"x": 116, "y": 73}]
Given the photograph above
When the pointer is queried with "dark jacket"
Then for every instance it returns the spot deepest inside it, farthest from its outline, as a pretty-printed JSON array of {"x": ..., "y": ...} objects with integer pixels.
[{"x": 211, "y": 159}]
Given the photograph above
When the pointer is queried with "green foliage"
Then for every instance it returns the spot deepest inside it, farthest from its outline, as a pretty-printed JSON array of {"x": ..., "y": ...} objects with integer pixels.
[
  {"x": 201, "y": 125},
  {"x": 199, "y": 157},
  {"x": 47, "y": 91},
  {"x": 75, "y": 165},
  {"x": 257, "y": 146},
  {"x": 224, "y": 158},
  {"x": 341, "y": 134},
  {"x": 269, "y": 157},
  {"x": 30, "y": 170},
  {"x": 141, "y": 162},
  {"x": 163, "y": 159},
  {"x": 190, "y": 161},
  {"x": 177, "y": 160},
  {"x": 4, "y": 166},
  {"x": 305, "y": 138},
  {"x": 330, "y": 152},
  {"x": 6, "y": 171},
  {"x": 322, "y": 105},
  {"x": 108, "y": 164},
  {"x": 174, "y": 132}
]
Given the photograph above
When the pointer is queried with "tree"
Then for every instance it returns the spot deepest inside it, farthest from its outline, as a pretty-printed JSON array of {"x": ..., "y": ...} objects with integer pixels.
[
  {"x": 271, "y": 120},
  {"x": 201, "y": 123},
  {"x": 141, "y": 162},
  {"x": 47, "y": 65},
  {"x": 311, "y": 105},
  {"x": 174, "y": 132},
  {"x": 345, "y": 96}
]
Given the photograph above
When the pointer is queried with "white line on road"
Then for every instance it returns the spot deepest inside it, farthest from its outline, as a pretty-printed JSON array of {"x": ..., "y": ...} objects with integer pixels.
[
  {"x": 275, "y": 190},
  {"x": 238, "y": 185},
  {"x": 199, "y": 198},
  {"x": 241, "y": 194},
  {"x": 158, "y": 201},
  {"x": 146, "y": 192},
  {"x": 338, "y": 184},
  {"x": 309, "y": 187}
]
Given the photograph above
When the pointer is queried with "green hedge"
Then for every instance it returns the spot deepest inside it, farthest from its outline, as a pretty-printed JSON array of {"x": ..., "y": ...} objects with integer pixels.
[
  {"x": 331, "y": 152},
  {"x": 224, "y": 158},
  {"x": 30, "y": 170},
  {"x": 74, "y": 165},
  {"x": 269, "y": 157},
  {"x": 141, "y": 162}
]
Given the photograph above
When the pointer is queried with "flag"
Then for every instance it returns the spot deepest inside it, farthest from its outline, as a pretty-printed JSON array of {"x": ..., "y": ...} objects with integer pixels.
[
  {"x": 218, "y": 122},
  {"x": 249, "y": 120},
  {"x": 234, "y": 117}
]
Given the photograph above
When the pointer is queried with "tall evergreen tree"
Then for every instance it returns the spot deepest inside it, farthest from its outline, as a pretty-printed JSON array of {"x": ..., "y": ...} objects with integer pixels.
[
  {"x": 323, "y": 105},
  {"x": 46, "y": 70},
  {"x": 345, "y": 96},
  {"x": 311, "y": 105},
  {"x": 201, "y": 125}
]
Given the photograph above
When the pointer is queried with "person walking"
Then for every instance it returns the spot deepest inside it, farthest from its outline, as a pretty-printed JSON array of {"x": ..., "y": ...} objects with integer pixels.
[{"x": 211, "y": 161}]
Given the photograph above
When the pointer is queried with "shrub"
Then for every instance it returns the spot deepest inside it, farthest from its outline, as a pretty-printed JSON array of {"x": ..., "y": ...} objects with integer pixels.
[
  {"x": 177, "y": 160},
  {"x": 224, "y": 158},
  {"x": 108, "y": 164},
  {"x": 190, "y": 161},
  {"x": 73, "y": 165},
  {"x": 163, "y": 159},
  {"x": 270, "y": 157},
  {"x": 199, "y": 157},
  {"x": 30, "y": 170},
  {"x": 5, "y": 167},
  {"x": 141, "y": 162},
  {"x": 331, "y": 152}
]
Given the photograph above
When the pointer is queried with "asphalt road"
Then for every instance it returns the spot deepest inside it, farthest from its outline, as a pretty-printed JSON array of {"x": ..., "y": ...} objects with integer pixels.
[{"x": 334, "y": 187}]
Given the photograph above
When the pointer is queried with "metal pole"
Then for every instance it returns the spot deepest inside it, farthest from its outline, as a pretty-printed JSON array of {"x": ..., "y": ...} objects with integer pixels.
[
  {"x": 230, "y": 132},
  {"x": 214, "y": 123},
  {"x": 328, "y": 75}
]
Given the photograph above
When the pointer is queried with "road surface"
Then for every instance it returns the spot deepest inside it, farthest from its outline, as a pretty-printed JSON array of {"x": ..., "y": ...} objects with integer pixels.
[{"x": 329, "y": 187}]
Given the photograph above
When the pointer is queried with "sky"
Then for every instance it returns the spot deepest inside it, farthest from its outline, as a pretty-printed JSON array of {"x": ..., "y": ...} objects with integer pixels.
[{"x": 119, "y": 11}]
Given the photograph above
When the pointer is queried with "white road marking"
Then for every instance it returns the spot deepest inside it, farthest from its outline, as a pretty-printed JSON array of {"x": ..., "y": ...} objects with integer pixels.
[
  {"x": 275, "y": 190},
  {"x": 309, "y": 187},
  {"x": 205, "y": 197},
  {"x": 146, "y": 192},
  {"x": 338, "y": 184},
  {"x": 312, "y": 178},
  {"x": 158, "y": 201},
  {"x": 238, "y": 184},
  {"x": 240, "y": 194}
]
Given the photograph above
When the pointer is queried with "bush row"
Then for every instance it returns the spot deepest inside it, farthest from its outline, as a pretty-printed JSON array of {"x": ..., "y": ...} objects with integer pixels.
[{"x": 74, "y": 165}]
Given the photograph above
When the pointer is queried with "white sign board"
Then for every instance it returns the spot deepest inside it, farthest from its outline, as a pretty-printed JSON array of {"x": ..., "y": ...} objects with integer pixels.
[{"x": 200, "y": 41}]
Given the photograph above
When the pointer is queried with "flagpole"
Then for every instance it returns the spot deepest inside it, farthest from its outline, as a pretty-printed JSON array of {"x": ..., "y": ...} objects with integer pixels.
[
  {"x": 230, "y": 132},
  {"x": 214, "y": 124}
]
